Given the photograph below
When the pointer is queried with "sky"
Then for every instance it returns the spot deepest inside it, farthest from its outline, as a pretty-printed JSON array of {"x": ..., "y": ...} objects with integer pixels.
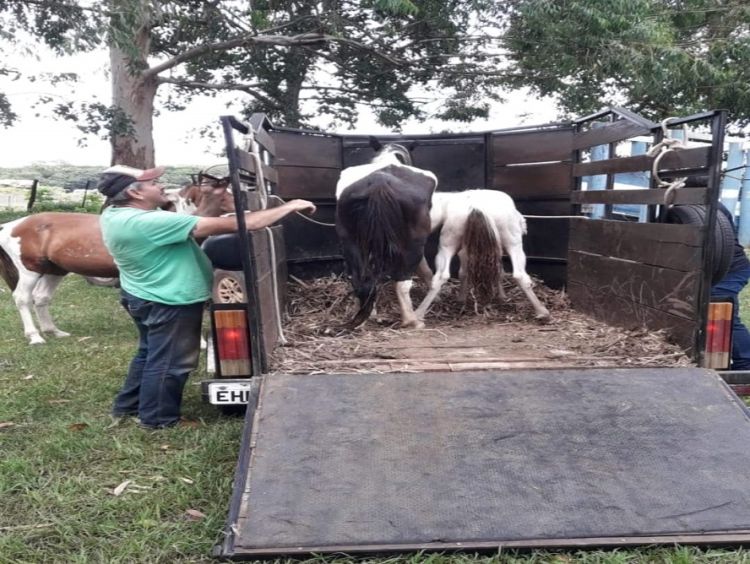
[{"x": 42, "y": 139}]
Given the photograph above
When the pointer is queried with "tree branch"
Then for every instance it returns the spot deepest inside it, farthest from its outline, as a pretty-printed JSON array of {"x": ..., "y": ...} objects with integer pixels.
[
  {"x": 279, "y": 40},
  {"x": 247, "y": 88}
]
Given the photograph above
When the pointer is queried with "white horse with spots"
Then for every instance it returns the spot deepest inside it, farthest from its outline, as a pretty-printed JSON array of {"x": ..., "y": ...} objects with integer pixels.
[{"x": 479, "y": 225}]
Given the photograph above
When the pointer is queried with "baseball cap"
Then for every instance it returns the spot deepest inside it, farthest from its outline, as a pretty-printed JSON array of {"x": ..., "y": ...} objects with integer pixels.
[{"x": 116, "y": 178}]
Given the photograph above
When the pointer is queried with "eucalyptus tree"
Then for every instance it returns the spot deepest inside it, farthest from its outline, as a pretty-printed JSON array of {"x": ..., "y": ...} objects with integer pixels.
[
  {"x": 293, "y": 59},
  {"x": 659, "y": 57}
]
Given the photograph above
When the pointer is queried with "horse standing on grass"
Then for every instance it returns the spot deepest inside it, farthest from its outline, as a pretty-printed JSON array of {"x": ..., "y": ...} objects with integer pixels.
[
  {"x": 383, "y": 221},
  {"x": 37, "y": 251},
  {"x": 479, "y": 225}
]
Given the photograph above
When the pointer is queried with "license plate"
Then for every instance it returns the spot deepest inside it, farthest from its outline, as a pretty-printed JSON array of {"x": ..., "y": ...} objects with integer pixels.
[{"x": 230, "y": 393}]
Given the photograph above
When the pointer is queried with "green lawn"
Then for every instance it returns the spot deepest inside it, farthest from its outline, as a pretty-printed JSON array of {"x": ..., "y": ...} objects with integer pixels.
[{"x": 60, "y": 462}]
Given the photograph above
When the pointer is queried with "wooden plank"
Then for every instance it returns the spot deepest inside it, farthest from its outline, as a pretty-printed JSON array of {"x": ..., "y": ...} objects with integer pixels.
[
  {"x": 604, "y": 305},
  {"x": 298, "y": 149},
  {"x": 672, "y": 246},
  {"x": 695, "y": 158},
  {"x": 265, "y": 140},
  {"x": 667, "y": 290},
  {"x": 682, "y": 196},
  {"x": 617, "y": 131},
  {"x": 533, "y": 181},
  {"x": 532, "y": 146},
  {"x": 306, "y": 182},
  {"x": 246, "y": 162}
]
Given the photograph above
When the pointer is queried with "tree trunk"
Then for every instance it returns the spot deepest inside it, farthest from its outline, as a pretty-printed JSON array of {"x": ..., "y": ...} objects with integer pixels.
[
  {"x": 133, "y": 126},
  {"x": 133, "y": 92}
]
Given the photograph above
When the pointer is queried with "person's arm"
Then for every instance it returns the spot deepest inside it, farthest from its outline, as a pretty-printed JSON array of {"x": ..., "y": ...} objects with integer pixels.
[{"x": 253, "y": 220}]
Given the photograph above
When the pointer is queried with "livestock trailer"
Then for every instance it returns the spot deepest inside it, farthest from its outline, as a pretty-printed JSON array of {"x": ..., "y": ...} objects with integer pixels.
[{"x": 334, "y": 461}]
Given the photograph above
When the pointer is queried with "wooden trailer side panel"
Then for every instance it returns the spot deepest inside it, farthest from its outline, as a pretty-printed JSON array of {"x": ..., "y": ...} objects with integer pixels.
[
  {"x": 643, "y": 274},
  {"x": 534, "y": 168}
]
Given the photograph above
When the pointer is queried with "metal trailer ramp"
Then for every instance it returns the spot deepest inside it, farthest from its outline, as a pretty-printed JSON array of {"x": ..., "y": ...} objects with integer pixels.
[{"x": 480, "y": 460}]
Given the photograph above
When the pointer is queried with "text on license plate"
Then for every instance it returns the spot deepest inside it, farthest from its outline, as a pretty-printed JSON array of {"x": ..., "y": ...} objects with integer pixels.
[{"x": 229, "y": 393}]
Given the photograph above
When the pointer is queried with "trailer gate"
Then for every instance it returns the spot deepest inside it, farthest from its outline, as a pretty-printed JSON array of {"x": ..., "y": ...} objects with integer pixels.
[{"x": 479, "y": 460}]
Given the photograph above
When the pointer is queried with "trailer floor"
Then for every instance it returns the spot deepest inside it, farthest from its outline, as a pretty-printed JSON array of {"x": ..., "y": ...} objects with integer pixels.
[
  {"x": 479, "y": 460},
  {"x": 457, "y": 337}
]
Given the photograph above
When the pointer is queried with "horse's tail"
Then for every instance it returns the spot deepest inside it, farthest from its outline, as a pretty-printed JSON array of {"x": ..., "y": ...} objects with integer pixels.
[
  {"x": 384, "y": 232},
  {"x": 380, "y": 232},
  {"x": 484, "y": 256},
  {"x": 8, "y": 270}
]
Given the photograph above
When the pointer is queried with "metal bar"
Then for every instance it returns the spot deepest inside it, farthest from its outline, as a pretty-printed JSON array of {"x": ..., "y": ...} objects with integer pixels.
[
  {"x": 229, "y": 123},
  {"x": 718, "y": 124},
  {"x": 695, "y": 117}
]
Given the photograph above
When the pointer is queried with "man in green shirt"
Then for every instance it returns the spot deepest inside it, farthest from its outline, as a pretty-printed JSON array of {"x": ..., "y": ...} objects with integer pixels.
[{"x": 165, "y": 279}]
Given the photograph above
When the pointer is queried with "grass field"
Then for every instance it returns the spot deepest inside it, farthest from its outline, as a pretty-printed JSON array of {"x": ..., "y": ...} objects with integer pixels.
[{"x": 61, "y": 463}]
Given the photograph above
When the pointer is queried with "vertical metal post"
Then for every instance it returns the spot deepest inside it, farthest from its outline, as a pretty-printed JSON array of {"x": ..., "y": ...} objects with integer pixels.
[
  {"x": 229, "y": 124},
  {"x": 598, "y": 181},
  {"x": 718, "y": 124}
]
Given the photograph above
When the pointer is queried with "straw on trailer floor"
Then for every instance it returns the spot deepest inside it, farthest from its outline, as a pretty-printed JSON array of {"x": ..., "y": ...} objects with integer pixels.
[{"x": 502, "y": 335}]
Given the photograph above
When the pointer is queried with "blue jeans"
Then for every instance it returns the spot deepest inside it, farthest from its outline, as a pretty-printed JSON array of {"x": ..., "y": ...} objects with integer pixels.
[
  {"x": 168, "y": 350},
  {"x": 730, "y": 286}
]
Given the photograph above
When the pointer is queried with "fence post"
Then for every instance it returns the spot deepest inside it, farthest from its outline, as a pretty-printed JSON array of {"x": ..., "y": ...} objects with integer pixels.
[
  {"x": 730, "y": 185},
  {"x": 32, "y": 196},
  {"x": 744, "y": 220},
  {"x": 85, "y": 192}
]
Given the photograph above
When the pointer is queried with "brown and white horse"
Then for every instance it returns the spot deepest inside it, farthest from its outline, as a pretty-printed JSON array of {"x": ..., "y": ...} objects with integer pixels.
[{"x": 37, "y": 251}]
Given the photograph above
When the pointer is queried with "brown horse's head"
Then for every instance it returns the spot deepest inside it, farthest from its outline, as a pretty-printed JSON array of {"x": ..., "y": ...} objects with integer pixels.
[{"x": 210, "y": 195}]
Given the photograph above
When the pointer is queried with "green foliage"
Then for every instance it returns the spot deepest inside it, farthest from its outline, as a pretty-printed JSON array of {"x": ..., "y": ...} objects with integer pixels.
[
  {"x": 293, "y": 60},
  {"x": 657, "y": 57}
]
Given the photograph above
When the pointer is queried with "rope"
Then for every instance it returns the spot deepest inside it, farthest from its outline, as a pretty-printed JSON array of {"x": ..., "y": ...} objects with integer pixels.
[
  {"x": 556, "y": 216},
  {"x": 660, "y": 150},
  {"x": 303, "y": 216}
]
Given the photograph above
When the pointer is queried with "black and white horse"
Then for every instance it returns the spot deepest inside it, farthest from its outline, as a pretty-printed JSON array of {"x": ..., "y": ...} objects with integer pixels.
[{"x": 383, "y": 221}]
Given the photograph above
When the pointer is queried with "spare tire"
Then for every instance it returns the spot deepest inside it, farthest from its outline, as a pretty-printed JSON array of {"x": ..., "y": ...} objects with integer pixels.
[{"x": 723, "y": 237}]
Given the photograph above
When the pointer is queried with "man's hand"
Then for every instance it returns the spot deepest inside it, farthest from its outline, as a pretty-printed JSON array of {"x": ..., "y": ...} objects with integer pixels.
[{"x": 301, "y": 206}]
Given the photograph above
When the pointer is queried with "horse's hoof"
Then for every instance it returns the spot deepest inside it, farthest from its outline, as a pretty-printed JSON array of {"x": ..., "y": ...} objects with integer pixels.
[
  {"x": 413, "y": 324},
  {"x": 543, "y": 317},
  {"x": 36, "y": 340},
  {"x": 58, "y": 333}
]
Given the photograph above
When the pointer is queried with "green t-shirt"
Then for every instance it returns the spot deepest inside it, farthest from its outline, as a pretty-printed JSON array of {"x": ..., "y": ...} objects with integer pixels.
[{"x": 158, "y": 259}]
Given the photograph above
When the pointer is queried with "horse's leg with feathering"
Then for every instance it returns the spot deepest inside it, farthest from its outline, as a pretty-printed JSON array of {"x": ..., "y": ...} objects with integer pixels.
[
  {"x": 449, "y": 245},
  {"x": 23, "y": 296},
  {"x": 42, "y": 296},
  {"x": 518, "y": 259}
]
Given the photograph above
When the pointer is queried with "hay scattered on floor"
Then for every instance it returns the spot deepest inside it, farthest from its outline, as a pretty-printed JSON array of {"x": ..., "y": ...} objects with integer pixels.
[{"x": 318, "y": 310}]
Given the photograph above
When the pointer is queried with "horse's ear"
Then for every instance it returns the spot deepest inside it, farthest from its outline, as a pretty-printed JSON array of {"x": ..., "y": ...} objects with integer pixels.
[
  {"x": 375, "y": 144},
  {"x": 193, "y": 179}
]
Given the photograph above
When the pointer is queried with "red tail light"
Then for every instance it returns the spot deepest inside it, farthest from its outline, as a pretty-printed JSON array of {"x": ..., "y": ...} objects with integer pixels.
[
  {"x": 232, "y": 342},
  {"x": 719, "y": 335}
]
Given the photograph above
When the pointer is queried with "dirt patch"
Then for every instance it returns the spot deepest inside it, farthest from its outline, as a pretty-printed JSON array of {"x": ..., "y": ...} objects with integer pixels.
[{"x": 499, "y": 336}]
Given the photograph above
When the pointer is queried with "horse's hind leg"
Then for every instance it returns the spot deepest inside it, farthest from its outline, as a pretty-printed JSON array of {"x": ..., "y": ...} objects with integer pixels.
[
  {"x": 42, "y": 296},
  {"x": 23, "y": 297},
  {"x": 518, "y": 259},
  {"x": 449, "y": 244}
]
